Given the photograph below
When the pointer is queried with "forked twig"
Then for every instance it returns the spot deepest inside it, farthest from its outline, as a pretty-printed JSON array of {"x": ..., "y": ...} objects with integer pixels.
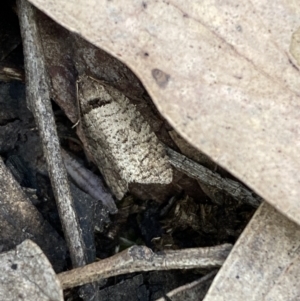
[{"x": 141, "y": 258}]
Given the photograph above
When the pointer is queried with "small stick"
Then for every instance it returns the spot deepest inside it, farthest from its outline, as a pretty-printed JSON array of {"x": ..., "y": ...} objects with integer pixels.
[
  {"x": 206, "y": 176},
  {"x": 89, "y": 182},
  {"x": 141, "y": 258},
  {"x": 38, "y": 99}
]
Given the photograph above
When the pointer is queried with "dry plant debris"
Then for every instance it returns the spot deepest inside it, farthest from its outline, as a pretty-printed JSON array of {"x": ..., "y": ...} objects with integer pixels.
[
  {"x": 224, "y": 112},
  {"x": 38, "y": 100},
  {"x": 141, "y": 258},
  {"x": 208, "y": 177},
  {"x": 225, "y": 75},
  {"x": 149, "y": 150}
]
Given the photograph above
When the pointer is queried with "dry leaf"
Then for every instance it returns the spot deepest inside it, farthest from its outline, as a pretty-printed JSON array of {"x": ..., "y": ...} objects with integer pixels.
[
  {"x": 221, "y": 73},
  {"x": 264, "y": 263},
  {"x": 26, "y": 274}
]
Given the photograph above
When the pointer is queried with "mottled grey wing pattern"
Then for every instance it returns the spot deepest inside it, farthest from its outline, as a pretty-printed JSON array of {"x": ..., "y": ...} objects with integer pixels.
[{"x": 121, "y": 142}]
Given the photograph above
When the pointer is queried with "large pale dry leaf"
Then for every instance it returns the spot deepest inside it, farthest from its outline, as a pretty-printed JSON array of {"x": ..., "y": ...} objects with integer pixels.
[
  {"x": 26, "y": 274},
  {"x": 264, "y": 264},
  {"x": 225, "y": 74}
]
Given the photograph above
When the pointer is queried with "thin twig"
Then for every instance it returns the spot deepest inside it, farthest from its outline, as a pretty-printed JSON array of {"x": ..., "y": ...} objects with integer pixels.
[
  {"x": 206, "y": 176},
  {"x": 141, "y": 258},
  {"x": 38, "y": 99}
]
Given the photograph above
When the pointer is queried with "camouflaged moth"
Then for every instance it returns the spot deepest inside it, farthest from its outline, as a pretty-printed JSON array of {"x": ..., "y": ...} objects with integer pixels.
[{"x": 120, "y": 141}]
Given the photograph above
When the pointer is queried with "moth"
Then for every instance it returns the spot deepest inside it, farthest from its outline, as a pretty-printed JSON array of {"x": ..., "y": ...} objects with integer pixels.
[{"x": 120, "y": 141}]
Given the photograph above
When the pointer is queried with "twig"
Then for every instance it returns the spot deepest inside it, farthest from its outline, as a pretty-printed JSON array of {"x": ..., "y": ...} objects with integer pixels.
[
  {"x": 141, "y": 258},
  {"x": 38, "y": 99},
  {"x": 206, "y": 176}
]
